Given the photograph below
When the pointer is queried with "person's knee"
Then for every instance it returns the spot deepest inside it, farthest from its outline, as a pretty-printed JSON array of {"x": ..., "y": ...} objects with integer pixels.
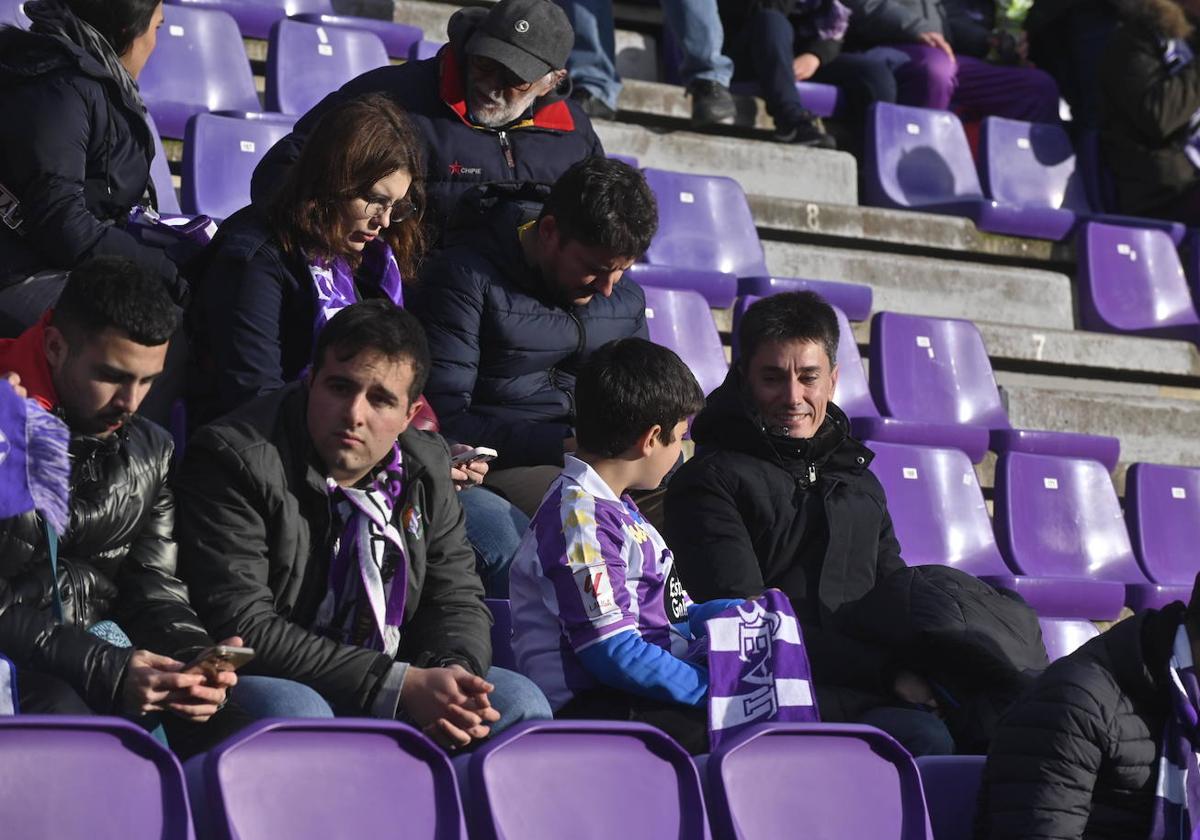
[
  {"x": 769, "y": 26},
  {"x": 875, "y": 82},
  {"x": 263, "y": 697},
  {"x": 44, "y": 694},
  {"x": 517, "y": 698},
  {"x": 919, "y": 732}
]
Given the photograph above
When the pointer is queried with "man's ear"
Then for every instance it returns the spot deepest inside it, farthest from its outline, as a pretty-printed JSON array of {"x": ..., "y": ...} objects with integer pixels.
[
  {"x": 55, "y": 347},
  {"x": 833, "y": 376},
  {"x": 414, "y": 408},
  {"x": 547, "y": 231}
]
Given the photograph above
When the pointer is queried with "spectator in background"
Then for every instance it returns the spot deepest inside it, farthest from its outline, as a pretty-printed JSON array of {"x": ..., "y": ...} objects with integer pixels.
[
  {"x": 487, "y": 108},
  {"x": 697, "y": 29},
  {"x": 77, "y": 148},
  {"x": 1067, "y": 39},
  {"x": 1150, "y": 112}
]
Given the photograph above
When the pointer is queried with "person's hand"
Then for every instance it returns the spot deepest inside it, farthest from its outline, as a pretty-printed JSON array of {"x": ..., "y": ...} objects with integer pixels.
[
  {"x": 915, "y": 689},
  {"x": 201, "y": 703},
  {"x": 449, "y": 705},
  {"x": 15, "y": 381},
  {"x": 804, "y": 65},
  {"x": 152, "y": 682},
  {"x": 469, "y": 474},
  {"x": 935, "y": 39}
]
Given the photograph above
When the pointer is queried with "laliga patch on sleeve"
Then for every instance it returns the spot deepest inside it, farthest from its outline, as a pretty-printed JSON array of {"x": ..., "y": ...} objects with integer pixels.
[{"x": 595, "y": 590}]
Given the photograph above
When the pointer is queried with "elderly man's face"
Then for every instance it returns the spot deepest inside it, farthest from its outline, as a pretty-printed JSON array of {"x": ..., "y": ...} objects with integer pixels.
[{"x": 496, "y": 96}]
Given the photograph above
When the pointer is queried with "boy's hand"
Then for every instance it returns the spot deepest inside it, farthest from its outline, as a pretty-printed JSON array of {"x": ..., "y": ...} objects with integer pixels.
[
  {"x": 450, "y": 705},
  {"x": 935, "y": 39},
  {"x": 804, "y": 66},
  {"x": 15, "y": 381}
]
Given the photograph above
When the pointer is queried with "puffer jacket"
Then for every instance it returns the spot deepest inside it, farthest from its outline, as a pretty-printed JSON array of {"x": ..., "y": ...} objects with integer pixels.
[
  {"x": 116, "y": 559},
  {"x": 76, "y": 156},
  {"x": 505, "y": 354},
  {"x": 1077, "y": 756}
]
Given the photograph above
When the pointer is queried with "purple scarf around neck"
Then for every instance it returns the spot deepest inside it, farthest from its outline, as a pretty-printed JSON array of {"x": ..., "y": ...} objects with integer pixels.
[
  {"x": 1177, "y": 794},
  {"x": 333, "y": 281}
]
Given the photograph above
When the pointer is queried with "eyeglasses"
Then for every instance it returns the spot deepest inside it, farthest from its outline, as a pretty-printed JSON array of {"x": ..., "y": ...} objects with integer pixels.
[
  {"x": 487, "y": 67},
  {"x": 398, "y": 211}
]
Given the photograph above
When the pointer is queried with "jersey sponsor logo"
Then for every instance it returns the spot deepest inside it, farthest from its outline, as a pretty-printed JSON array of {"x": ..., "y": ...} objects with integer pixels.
[
  {"x": 596, "y": 591},
  {"x": 674, "y": 597}
]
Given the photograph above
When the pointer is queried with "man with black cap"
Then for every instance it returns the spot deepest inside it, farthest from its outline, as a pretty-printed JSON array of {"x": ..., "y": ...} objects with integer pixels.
[{"x": 490, "y": 106}]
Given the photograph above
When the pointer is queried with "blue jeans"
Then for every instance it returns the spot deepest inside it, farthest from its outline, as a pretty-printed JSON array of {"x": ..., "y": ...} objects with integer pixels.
[
  {"x": 517, "y": 699},
  {"x": 266, "y": 697},
  {"x": 494, "y": 528},
  {"x": 919, "y": 732}
]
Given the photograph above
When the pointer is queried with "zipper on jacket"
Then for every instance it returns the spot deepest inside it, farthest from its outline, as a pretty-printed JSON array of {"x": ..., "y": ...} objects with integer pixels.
[{"x": 506, "y": 147}]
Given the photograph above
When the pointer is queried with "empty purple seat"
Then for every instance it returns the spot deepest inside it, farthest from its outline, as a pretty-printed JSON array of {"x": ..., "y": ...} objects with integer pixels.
[
  {"x": 822, "y": 100},
  {"x": 502, "y": 651},
  {"x": 681, "y": 320},
  {"x": 919, "y": 159},
  {"x": 1162, "y": 510},
  {"x": 398, "y": 38},
  {"x": 256, "y": 17},
  {"x": 425, "y": 48},
  {"x": 97, "y": 777},
  {"x": 314, "y": 779},
  {"x": 13, "y": 12},
  {"x": 219, "y": 156},
  {"x": 1064, "y": 635},
  {"x": 936, "y": 371},
  {"x": 951, "y": 784},
  {"x": 305, "y": 62},
  {"x": 1131, "y": 281},
  {"x": 199, "y": 65},
  {"x": 1060, "y": 517},
  {"x": 160, "y": 174},
  {"x": 815, "y": 780},
  {"x": 852, "y": 299},
  {"x": 564, "y": 778}
]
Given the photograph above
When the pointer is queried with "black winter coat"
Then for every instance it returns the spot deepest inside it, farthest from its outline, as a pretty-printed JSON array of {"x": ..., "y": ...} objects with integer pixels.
[
  {"x": 116, "y": 561},
  {"x": 76, "y": 153},
  {"x": 505, "y": 353},
  {"x": 741, "y": 519},
  {"x": 1077, "y": 756},
  {"x": 256, "y": 539}
]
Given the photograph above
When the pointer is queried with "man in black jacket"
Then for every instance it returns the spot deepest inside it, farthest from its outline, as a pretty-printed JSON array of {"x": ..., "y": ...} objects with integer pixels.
[
  {"x": 488, "y": 106},
  {"x": 780, "y": 496},
  {"x": 316, "y": 524}
]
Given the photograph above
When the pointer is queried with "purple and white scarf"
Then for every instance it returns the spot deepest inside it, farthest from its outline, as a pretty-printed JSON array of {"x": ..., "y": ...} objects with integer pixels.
[
  {"x": 1177, "y": 795},
  {"x": 757, "y": 667},
  {"x": 358, "y": 563},
  {"x": 333, "y": 281},
  {"x": 35, "y": 470}
]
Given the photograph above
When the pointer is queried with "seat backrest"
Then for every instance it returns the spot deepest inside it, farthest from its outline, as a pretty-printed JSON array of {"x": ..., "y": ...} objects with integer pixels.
[
  {"x": 819, "y": 781},
  {"x": 916, "y": 156},
  {"x": 1064, "y": 635},
  {"x": 704, "y": 221},
  {"x": 219, "y": 156},
  {"x": 933, "y": 370},
  {"x": 160, "y": 173},
  {"x": 1131, "y": 279},
  {"x": 1030, "y": 165},
  {"x": 546, "y": 780},
  {"x": 681, "y": 320},
  {"x": 937, "y": 508},
  {"x": 305, "y": 62},
  {"x": 312, "y": 779},
  {"x": 94, "y": 777},
  {"x": 13, "y": 11},
  {"x": 256, "y": 17},
  {"x": 951, "y": 784},
  {"x": 1162, "y": 509},
  {"x": 1060, "y": 517}
]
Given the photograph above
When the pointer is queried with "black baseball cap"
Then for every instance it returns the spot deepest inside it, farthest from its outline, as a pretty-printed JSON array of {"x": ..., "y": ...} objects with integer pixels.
[{"x": 529, "y": 37}]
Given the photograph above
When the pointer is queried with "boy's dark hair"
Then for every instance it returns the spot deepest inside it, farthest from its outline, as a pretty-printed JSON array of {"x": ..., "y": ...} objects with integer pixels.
[
  {"x": 383, "y": 327},
  {"x": 627, "y": 386},
  {"x": 790, "y": 316},
  {"x": 604, "y": 203},
  {"x": 115, "y": 293},
  {"x": 119, "y": 21}
]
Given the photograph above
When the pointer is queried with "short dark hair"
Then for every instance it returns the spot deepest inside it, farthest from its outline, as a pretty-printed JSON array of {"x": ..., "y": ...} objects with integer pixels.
[
  {"x": 119, "y": 21},
  {"x": 115, "y": 293},
  {"x": 604, "y": 203},
  {"x": 380, "y": 326},
  {"x": 626, "y": 387},
  {"x": 789, "y": 316}
]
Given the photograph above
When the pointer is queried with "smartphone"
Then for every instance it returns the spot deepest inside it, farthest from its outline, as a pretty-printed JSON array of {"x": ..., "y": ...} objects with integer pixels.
[
  {"x": 217, "y": 658},
  {"x": 479, "y": 453}
]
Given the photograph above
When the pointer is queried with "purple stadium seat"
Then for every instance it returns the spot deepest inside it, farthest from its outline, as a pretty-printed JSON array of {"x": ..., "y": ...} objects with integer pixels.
[
  {"x": 951, "y": 784},
  {"x": 305, "y": 62},
  {"x": 219, "y": 156},
  {"x": 160, "y": 174},
  {"x": 1162, "y": 510},
  {"x": 97, "y": 777},
  {"x": 852, "y": 299},
  {"x": 815, "y": 780},
  {"x": 398, "y": 38},
  {"x": 1064, "y": 635},
  {"x": 706, "y": 238},
  {"x": 1131, "y": 281},
  {"x": 312, "y": 779},
  {"x": 13, "y": 11},
  {"x": 256, "y": 17},
  {"x": 546, "y": 780},
  {"x": 681, "y": 320},
  {"x": 502, "y": 652},
  {"x": 199, "y": 65},
  {"x": 822, "y": 100},
  {"x": 1060, "y": 517},
  {"x": 937, "y": 371},
  {"x": 918, "y": 159},
  {"x": 425, "y": 48},
  {"x": 626, "y": 159}
]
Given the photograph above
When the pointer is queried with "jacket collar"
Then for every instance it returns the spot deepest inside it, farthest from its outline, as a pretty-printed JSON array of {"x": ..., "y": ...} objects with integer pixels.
[
  {"x": 552, "y": 115},
  {"x": 1139, "y": 649},
  {"x": 26, "y": 357}
]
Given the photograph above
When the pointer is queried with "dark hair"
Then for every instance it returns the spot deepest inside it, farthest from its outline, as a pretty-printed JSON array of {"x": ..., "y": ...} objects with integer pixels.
[
  {"x": 115, "y": 293},
  {"x": 119, "y": 21},
  {"x": 353, "y": 145},
  {"x": 626, "y": 387},
  {"x": 380, "y": 326},
  {"x": 790, "y": 316},
  {"x": 604, "y": 203}
]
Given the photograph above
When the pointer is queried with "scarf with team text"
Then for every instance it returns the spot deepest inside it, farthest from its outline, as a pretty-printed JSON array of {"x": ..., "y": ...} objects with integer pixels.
[{"x": 333, "y": 281}]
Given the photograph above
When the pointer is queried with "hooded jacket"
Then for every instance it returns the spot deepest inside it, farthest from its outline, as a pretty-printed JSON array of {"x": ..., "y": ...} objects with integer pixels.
[
  {"x": 743, "y": 516},
  {"x": 505, "y": 351},
  {"x": 77, "y": 153},
  {"x": 1146, "y": 107},
  {"x": 1077, "y": 756},
  {"x": 458, "y": 153}
]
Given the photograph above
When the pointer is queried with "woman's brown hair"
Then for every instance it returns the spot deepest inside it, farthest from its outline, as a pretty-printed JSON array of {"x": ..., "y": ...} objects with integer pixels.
[{"x": 354, "y": 145}]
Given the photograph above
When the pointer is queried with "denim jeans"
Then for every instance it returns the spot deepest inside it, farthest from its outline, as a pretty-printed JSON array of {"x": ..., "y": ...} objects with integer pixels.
[
  {"x": 494, "y": 528},
  {"x": 266, "y": 697},
  {"x": 517, "y": 699}
]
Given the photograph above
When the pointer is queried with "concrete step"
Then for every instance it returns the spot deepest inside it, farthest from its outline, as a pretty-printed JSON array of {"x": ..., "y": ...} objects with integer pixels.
[
  {"x": 924, "y": 286},
  {"x": 653, "y": 103}
]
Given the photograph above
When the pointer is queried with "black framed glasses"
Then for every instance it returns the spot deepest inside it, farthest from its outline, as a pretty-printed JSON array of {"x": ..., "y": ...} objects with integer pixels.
[
  {"x": 398, "y": 211},
  {"x": 488, "y": 68}
]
